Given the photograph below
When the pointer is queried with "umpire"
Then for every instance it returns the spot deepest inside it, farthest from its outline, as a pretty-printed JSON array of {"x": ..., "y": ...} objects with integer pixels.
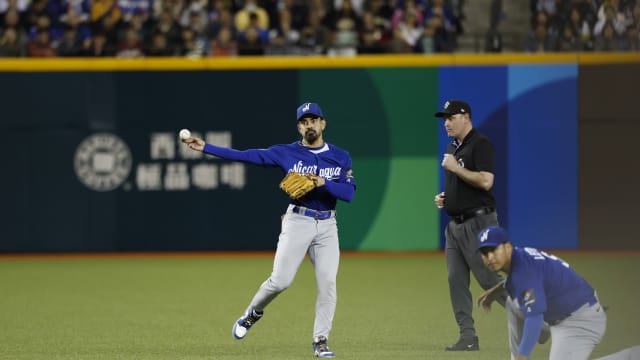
[{"x": 469, "y": 163}]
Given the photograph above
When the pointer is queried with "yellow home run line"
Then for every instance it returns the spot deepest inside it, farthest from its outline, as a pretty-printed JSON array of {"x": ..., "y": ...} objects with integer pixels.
[{"x": 281, "y": 63}]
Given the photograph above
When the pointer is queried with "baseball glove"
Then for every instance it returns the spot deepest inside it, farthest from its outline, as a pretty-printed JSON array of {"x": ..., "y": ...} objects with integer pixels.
[{"x": 297, "y": 185}]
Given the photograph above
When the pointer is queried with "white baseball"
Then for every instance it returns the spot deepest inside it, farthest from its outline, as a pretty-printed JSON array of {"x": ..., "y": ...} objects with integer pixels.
[{"x": 185, "y": 134}]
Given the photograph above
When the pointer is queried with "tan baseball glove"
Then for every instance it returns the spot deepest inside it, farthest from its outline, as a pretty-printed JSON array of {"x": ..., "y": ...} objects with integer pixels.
[{"x": 297, "y": 185}]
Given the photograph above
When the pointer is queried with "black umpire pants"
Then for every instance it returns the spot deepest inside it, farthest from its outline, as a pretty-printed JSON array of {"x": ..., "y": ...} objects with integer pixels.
[{"x": 462, "y": 258}]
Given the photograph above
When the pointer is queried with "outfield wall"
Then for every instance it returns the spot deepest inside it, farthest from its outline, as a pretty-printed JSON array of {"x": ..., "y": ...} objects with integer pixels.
[{"x": 93, "y": 163}]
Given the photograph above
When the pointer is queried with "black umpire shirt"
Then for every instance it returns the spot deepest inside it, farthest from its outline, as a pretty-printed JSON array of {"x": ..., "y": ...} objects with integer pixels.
[{"x": 476, "y": 153}]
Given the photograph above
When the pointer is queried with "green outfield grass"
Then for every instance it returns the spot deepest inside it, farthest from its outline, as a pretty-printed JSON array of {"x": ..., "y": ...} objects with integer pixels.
[{"x": 389, "y": 307}]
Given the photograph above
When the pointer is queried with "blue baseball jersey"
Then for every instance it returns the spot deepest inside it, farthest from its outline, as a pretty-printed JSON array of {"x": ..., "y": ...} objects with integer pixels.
[
  {"x": 327, "y": 161},
  {"x": 545, "y": 284}
]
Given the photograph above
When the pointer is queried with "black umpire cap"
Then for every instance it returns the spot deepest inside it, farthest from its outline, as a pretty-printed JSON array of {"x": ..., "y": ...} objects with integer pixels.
[{"x": 453, "y": 107}]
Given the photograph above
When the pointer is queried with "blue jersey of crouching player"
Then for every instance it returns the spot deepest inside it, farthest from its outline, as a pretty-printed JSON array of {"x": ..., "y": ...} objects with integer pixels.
[
  {"x": 545, "y": 284},
  {"x": 328, "y": 161}
]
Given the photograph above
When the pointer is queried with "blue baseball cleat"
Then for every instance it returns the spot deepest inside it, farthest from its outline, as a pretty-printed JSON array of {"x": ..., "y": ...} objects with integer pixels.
[
  {"x": 242, "y": 326},
  {"x": 321, "y": 349}
]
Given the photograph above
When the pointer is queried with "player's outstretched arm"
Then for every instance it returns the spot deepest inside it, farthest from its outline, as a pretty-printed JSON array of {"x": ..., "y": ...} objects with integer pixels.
[{"x": 195, "y": 143}]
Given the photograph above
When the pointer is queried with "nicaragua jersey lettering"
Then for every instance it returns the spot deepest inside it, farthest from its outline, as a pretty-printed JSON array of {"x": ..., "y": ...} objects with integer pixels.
[
  {"x": 545, "y": 284},
  {"x": 328, "y": 161}
]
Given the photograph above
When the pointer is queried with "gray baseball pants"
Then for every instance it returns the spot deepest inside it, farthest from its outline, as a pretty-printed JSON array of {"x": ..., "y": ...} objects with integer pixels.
[
  {"x": 461, "y": 251},
  {"x": 301, "y": 234},
  {"x": 574, "y": 338}
]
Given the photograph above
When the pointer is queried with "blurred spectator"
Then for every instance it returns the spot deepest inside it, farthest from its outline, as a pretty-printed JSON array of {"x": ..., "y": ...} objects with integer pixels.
[
  {"x": 427, "y": 43},
  {"x": 374, "y": 31},
  {"x": 11, "y": 19},
  {"x": 159, "y": 46},
  {"x": 408, "y": 6},
  {"x": 284, "y": 29},
  {"x": 443, "y": 40},
  {"x": 608, "y": 39},
  {"x": 171, "y": 30},
  {"x": 131, "y": 45},
  {"x": 251, "y": 8},
  {"x": 224, "y": 44},
  {"x": 194, "y": 11},
  {"x": 142, "y": 25},
  {"x": 410, "y": 28},
  {"x": 72, "y": 43},
  {"x": 11, "y": 45},
  {"x": 314, "y": 37},
  {"x": 580, "y": 29},
  {"x": 370, "y": 44},
  {"x": 215, "y": 7},
  {"x": 539, "y": 40},
  {"x": 298, "y": 12},
  {"x": 129, "y": 7},
  {"x": 633, "y": 39},
  {"x": 189, "y": 46},
  {"x": 110, "y": 26},
  {"x": 381, "y": 12},
  {"x": 357, "y": 5},
  {"x": 568, "y": 41},
  {"x": 547, "y": 6},
  {"x": 101, "y": 9},
  {"x": 76, "y": 16},
  {"x": 39, "y": 8},
  {"x": 543, "y": 36},
  {"x": 18, "y": 8},
  {"x": 450, "y": 22},
  {"x": 43, "y": 22},
  {"x": 345, "y": 38},
  {"x": 224, "y": 20},
  {"x": 278, "y": 46},
  {"x": 254, "y": 23},
  {"x": 320, "y": 8},
  {"x": 586, "y": 9},
  {"x": 198, "y": 26},
  {"x": 609, "y": 15},
  {"x": 633, "y": 31},
  {"x": 99, "y": 46},
  {"x": 176, "y": 7},
  {"x": 250, "y": 43},
  {"x": 40, "y": 46},
  {"x": 75, "y": 12},
  {"x": 397, "y": 44},
  {"x": 334, "y": 16},
  {"x": 18, "y": 5}
]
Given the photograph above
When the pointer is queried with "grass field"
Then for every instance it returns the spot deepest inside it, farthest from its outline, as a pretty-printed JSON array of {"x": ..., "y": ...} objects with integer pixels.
[{"x": 389, "y": 307}]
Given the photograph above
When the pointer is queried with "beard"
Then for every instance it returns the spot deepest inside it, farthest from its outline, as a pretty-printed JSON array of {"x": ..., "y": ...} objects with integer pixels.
[{"x": 310, "y": 136}]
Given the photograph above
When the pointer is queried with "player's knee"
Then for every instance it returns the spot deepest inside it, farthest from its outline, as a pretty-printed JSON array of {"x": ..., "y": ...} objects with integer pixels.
[{"x": 280, "y": 285}]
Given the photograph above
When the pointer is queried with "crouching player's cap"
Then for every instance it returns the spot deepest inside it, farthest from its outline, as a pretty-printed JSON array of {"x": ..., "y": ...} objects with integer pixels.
[
  {"x": 492, "y": 237},
  {"x": 309, "y": 109}
]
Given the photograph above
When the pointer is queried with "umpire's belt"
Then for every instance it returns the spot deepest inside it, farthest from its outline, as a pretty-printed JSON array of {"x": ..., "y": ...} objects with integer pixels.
[
  {"x": 459, "y": 219},
  {"x": 316, "y": 214}
]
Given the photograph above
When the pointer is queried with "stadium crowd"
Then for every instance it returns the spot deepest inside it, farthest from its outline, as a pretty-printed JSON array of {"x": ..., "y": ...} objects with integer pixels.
[
  {"x": 584, "y": 25},
  {"x": 201, "y": 28}
]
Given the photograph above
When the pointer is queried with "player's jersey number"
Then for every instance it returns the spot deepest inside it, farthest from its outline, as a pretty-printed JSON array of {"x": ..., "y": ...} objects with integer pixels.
[{"x": 541, "y": 255}]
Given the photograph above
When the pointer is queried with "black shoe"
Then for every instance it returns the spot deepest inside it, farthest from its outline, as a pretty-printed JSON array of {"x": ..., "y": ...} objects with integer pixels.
[
  {"x": 465, "y": 344},
  {"x": 545, "y": 335}
]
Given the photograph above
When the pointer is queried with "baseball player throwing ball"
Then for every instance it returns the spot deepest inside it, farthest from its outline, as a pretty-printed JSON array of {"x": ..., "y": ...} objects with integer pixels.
[
  {"x": 542, "y": 287},
  {"x": 318, "y": 174}
]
